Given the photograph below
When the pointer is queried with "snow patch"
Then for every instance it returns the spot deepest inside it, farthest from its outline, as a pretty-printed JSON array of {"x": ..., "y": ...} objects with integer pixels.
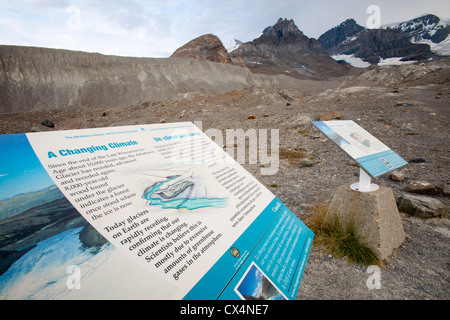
[
  {"x": 394, "y": 62},
  {"x": 352, "y": 60},
  {"x": 232, "y": 45}
]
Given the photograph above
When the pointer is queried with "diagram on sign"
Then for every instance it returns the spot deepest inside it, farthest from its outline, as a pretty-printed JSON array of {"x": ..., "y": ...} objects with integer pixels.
[{"x": 189, "y": 189}]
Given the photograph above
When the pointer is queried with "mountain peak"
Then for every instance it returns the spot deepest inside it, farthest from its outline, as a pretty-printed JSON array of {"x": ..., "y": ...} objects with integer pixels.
[
  {"x": 348, "y": 22},
  {"x": 207, "y": 47},
  {"x": 284, "y": 49},
  {"x": 283, "y": 31},
  {"x": 340, "y": 33}
]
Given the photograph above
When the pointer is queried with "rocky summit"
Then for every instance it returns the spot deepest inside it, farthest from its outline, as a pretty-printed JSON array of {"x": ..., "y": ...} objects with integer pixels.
[
  {"x": 340, "y": 33},
  {"x": 284, "y": 49},
  {"x": 207, "y": 47}
]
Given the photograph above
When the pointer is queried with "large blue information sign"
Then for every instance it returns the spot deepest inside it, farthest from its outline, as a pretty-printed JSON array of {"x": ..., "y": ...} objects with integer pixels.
[{"x": 141, "y": 212}]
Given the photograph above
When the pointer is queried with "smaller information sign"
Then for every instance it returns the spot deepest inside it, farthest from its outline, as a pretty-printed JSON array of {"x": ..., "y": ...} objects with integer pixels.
[{"x": 372, "y": 155}]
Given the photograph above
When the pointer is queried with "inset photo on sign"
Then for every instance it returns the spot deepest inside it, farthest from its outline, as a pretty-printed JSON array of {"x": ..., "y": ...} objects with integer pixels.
[
  {"x": 386, "y": 163},
  {"x": 255, "y": 285},
  {"x": 41, "y": 233}
]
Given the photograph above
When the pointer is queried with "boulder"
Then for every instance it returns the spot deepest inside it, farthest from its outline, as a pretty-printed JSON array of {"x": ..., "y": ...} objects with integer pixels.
[
  {"x": 306, "y": 163},
  {"x": 396, "y": 175},
  {"x": 48, "y": 123},
  {"x": 422, "y": 206},
  {"x": 422, "y": 187},
  {"x": 417, "y": 160}
]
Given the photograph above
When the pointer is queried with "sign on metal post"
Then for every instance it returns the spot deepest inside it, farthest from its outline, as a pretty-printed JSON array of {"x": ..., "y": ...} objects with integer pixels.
[{"x": 373, "y": 157}]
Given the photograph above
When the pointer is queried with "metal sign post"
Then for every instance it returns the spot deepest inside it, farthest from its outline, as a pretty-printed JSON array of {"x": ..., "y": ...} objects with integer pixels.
[{"x": 364, "y": 184}]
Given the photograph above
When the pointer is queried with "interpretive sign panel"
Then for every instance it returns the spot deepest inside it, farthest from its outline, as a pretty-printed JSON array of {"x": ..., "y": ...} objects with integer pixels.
[
  {"x": 140, "y": 212},
  {"x": 372, "y": 155}
]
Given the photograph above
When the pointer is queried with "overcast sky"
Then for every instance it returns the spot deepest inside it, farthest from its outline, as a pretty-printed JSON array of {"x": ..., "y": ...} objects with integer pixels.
[{"x": 156, "y": 28}]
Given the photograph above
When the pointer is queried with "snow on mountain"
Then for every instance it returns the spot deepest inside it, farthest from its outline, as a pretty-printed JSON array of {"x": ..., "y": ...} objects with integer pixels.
[
  {"x": 351, "y": 60},
  {"x": 442, "y": 48},
  {"x": 398, "y": 43},
  {"x": 373, "y": 45},
  {"x": 428, "y": 29},
  {"x": 232, "y": 45}
]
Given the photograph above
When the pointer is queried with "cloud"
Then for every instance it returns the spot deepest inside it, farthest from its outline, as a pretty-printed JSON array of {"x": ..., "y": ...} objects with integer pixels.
[{"x": 157, "y": 28}]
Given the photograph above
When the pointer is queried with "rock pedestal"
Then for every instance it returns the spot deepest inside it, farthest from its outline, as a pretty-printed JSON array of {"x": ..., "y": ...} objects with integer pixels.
[{"x": 374, "y": 214}]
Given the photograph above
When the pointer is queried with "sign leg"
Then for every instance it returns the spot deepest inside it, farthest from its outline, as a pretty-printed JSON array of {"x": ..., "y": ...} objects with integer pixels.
[{"x": 364, "y": 184}]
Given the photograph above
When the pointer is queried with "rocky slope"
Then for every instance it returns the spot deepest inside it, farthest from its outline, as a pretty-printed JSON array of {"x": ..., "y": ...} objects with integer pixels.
[{"x": 33, "y": 79}]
